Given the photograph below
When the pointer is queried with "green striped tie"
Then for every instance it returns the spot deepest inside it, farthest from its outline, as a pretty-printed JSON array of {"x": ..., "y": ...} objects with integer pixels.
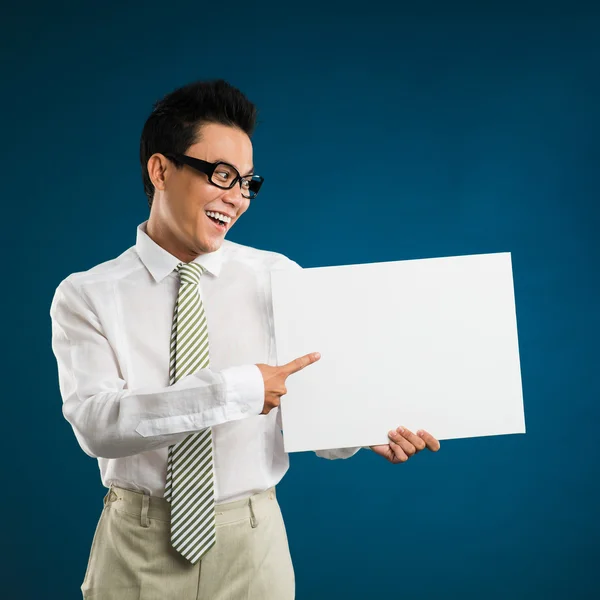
[{"x": 189, "y": 485}]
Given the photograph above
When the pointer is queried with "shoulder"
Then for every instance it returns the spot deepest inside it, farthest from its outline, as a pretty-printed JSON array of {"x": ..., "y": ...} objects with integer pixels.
[
  {"x": 261, "y": 259},
  {"x": 100, "y": 275}
]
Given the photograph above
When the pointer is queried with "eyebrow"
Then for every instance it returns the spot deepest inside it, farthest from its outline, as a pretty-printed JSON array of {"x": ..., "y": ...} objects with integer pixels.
[{"x": 218, "y": 160}]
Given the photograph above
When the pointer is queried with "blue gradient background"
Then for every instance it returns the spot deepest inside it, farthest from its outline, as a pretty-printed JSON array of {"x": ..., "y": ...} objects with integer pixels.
[{"x": 485, "y": 122}]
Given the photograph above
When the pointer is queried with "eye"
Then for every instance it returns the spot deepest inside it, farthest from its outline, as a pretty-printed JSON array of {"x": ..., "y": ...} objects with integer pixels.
[
  {"x": 246, "y": 184},
  {"x": 224, "y": 175}
]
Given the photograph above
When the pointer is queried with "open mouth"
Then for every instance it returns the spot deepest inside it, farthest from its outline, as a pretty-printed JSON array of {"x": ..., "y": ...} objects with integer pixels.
[{"x": 217, "y": 222}]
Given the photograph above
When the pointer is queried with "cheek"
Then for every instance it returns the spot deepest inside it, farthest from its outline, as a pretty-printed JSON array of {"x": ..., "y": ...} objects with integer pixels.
[
  {"x": 198, "y": 194},
  {"x": 181, "y": 197}
]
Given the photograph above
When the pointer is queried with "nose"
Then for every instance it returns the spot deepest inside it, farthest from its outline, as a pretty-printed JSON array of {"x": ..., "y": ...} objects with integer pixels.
[{"x": 234, "y": 195}]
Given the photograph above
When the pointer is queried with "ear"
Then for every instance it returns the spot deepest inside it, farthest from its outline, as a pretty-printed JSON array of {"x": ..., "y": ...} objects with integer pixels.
[{"x": 158, "y": 170}]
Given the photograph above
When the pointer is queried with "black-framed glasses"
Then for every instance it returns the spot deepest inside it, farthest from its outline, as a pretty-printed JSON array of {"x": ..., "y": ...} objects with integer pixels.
[{"x": 221, "y": 174}]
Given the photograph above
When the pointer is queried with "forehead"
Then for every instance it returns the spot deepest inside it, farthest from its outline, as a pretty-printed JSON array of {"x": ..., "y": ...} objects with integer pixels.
[{"x": 222, "y": 142}]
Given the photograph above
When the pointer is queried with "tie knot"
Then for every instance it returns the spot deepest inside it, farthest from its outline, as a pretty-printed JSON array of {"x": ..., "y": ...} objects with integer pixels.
[{"x": 190, "y": 272}]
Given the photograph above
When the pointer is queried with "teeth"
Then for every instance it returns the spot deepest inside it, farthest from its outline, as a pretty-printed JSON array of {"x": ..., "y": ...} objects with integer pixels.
[{"x": 219, "y": 216}]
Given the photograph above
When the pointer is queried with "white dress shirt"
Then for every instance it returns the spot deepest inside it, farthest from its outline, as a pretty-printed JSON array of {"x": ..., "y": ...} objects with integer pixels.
[{"x": 111, "y": 328}]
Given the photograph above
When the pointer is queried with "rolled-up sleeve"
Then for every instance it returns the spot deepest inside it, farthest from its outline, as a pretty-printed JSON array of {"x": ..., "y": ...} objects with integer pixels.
[{"x": 111, "y": 421}]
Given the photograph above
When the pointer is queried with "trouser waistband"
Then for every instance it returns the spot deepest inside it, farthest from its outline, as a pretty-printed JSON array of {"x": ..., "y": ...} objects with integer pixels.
[{"x": 153, "y": 507}]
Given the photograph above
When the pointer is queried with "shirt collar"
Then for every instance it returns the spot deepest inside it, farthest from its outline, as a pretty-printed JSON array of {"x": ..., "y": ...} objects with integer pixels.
[{"x": 161, "y": 263}]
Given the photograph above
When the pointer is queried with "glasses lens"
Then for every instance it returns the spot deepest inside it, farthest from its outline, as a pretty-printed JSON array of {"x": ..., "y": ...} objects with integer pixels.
[
  {"x": 251, "y": 185},
  {"x": 224, "y": 175}
]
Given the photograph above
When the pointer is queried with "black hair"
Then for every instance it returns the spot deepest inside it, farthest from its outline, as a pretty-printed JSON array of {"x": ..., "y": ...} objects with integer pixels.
[{"x": 174, "y": 124}]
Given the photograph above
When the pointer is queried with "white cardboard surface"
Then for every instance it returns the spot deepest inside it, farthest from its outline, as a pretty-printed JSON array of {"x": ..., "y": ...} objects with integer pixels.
[{"x": 429, "y": 344}]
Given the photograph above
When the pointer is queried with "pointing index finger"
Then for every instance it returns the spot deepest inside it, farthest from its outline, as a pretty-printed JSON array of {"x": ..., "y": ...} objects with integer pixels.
[{"x": 299, "y": 363}]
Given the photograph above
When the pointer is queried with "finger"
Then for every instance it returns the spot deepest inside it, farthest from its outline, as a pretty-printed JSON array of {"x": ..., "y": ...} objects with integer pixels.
[
  {"x": 408, "y": 447},
  {"x": 385, "y": 451},
  {"x": 431, "y": 443},
  {"x": 299, "y": 363},
  {"x": 408, "y": 435},
  {"x": 399, "y": 454}
]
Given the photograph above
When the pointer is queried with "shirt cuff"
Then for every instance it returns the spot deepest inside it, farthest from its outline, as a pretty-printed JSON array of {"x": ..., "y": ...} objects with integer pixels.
[
  {"x": 337, "y": 453},
  {"x": 244, "y": 391}
]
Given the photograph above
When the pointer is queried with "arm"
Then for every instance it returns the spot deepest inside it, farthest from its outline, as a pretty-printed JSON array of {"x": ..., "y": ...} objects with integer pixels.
[{"x": 111, "y": 421}]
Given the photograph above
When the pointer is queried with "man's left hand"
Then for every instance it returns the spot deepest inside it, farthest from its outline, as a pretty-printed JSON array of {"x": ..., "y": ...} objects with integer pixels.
[{"x": 404, "y": 444}]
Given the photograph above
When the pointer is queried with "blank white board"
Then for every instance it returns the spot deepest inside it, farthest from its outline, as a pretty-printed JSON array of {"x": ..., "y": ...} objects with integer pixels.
[{"x": 428, "y": 344}]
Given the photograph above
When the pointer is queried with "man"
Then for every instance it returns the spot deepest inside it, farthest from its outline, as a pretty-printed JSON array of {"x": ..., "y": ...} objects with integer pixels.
[{"x": 164, "y": 357}]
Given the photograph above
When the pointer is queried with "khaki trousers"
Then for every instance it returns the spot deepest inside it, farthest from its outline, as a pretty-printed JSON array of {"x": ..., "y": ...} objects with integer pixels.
[{"x": 131, "y": 557}]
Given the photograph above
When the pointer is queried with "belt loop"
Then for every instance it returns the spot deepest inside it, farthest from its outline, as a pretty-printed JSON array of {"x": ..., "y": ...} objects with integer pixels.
[
  {"x": 107, "y": 496},
  {"x": 253, "y": 520},
  {"x": 144, "y": 516}
]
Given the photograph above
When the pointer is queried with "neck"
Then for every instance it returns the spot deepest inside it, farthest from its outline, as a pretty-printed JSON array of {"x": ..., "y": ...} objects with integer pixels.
[{"x": 160, "y": 234}]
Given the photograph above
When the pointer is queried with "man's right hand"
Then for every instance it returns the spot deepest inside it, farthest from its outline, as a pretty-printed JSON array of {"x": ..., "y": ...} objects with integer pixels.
[{"x": 274, "y": 378}]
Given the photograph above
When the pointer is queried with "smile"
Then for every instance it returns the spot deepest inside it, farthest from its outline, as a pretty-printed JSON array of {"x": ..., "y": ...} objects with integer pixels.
[{"x": 218, "y": 219}]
